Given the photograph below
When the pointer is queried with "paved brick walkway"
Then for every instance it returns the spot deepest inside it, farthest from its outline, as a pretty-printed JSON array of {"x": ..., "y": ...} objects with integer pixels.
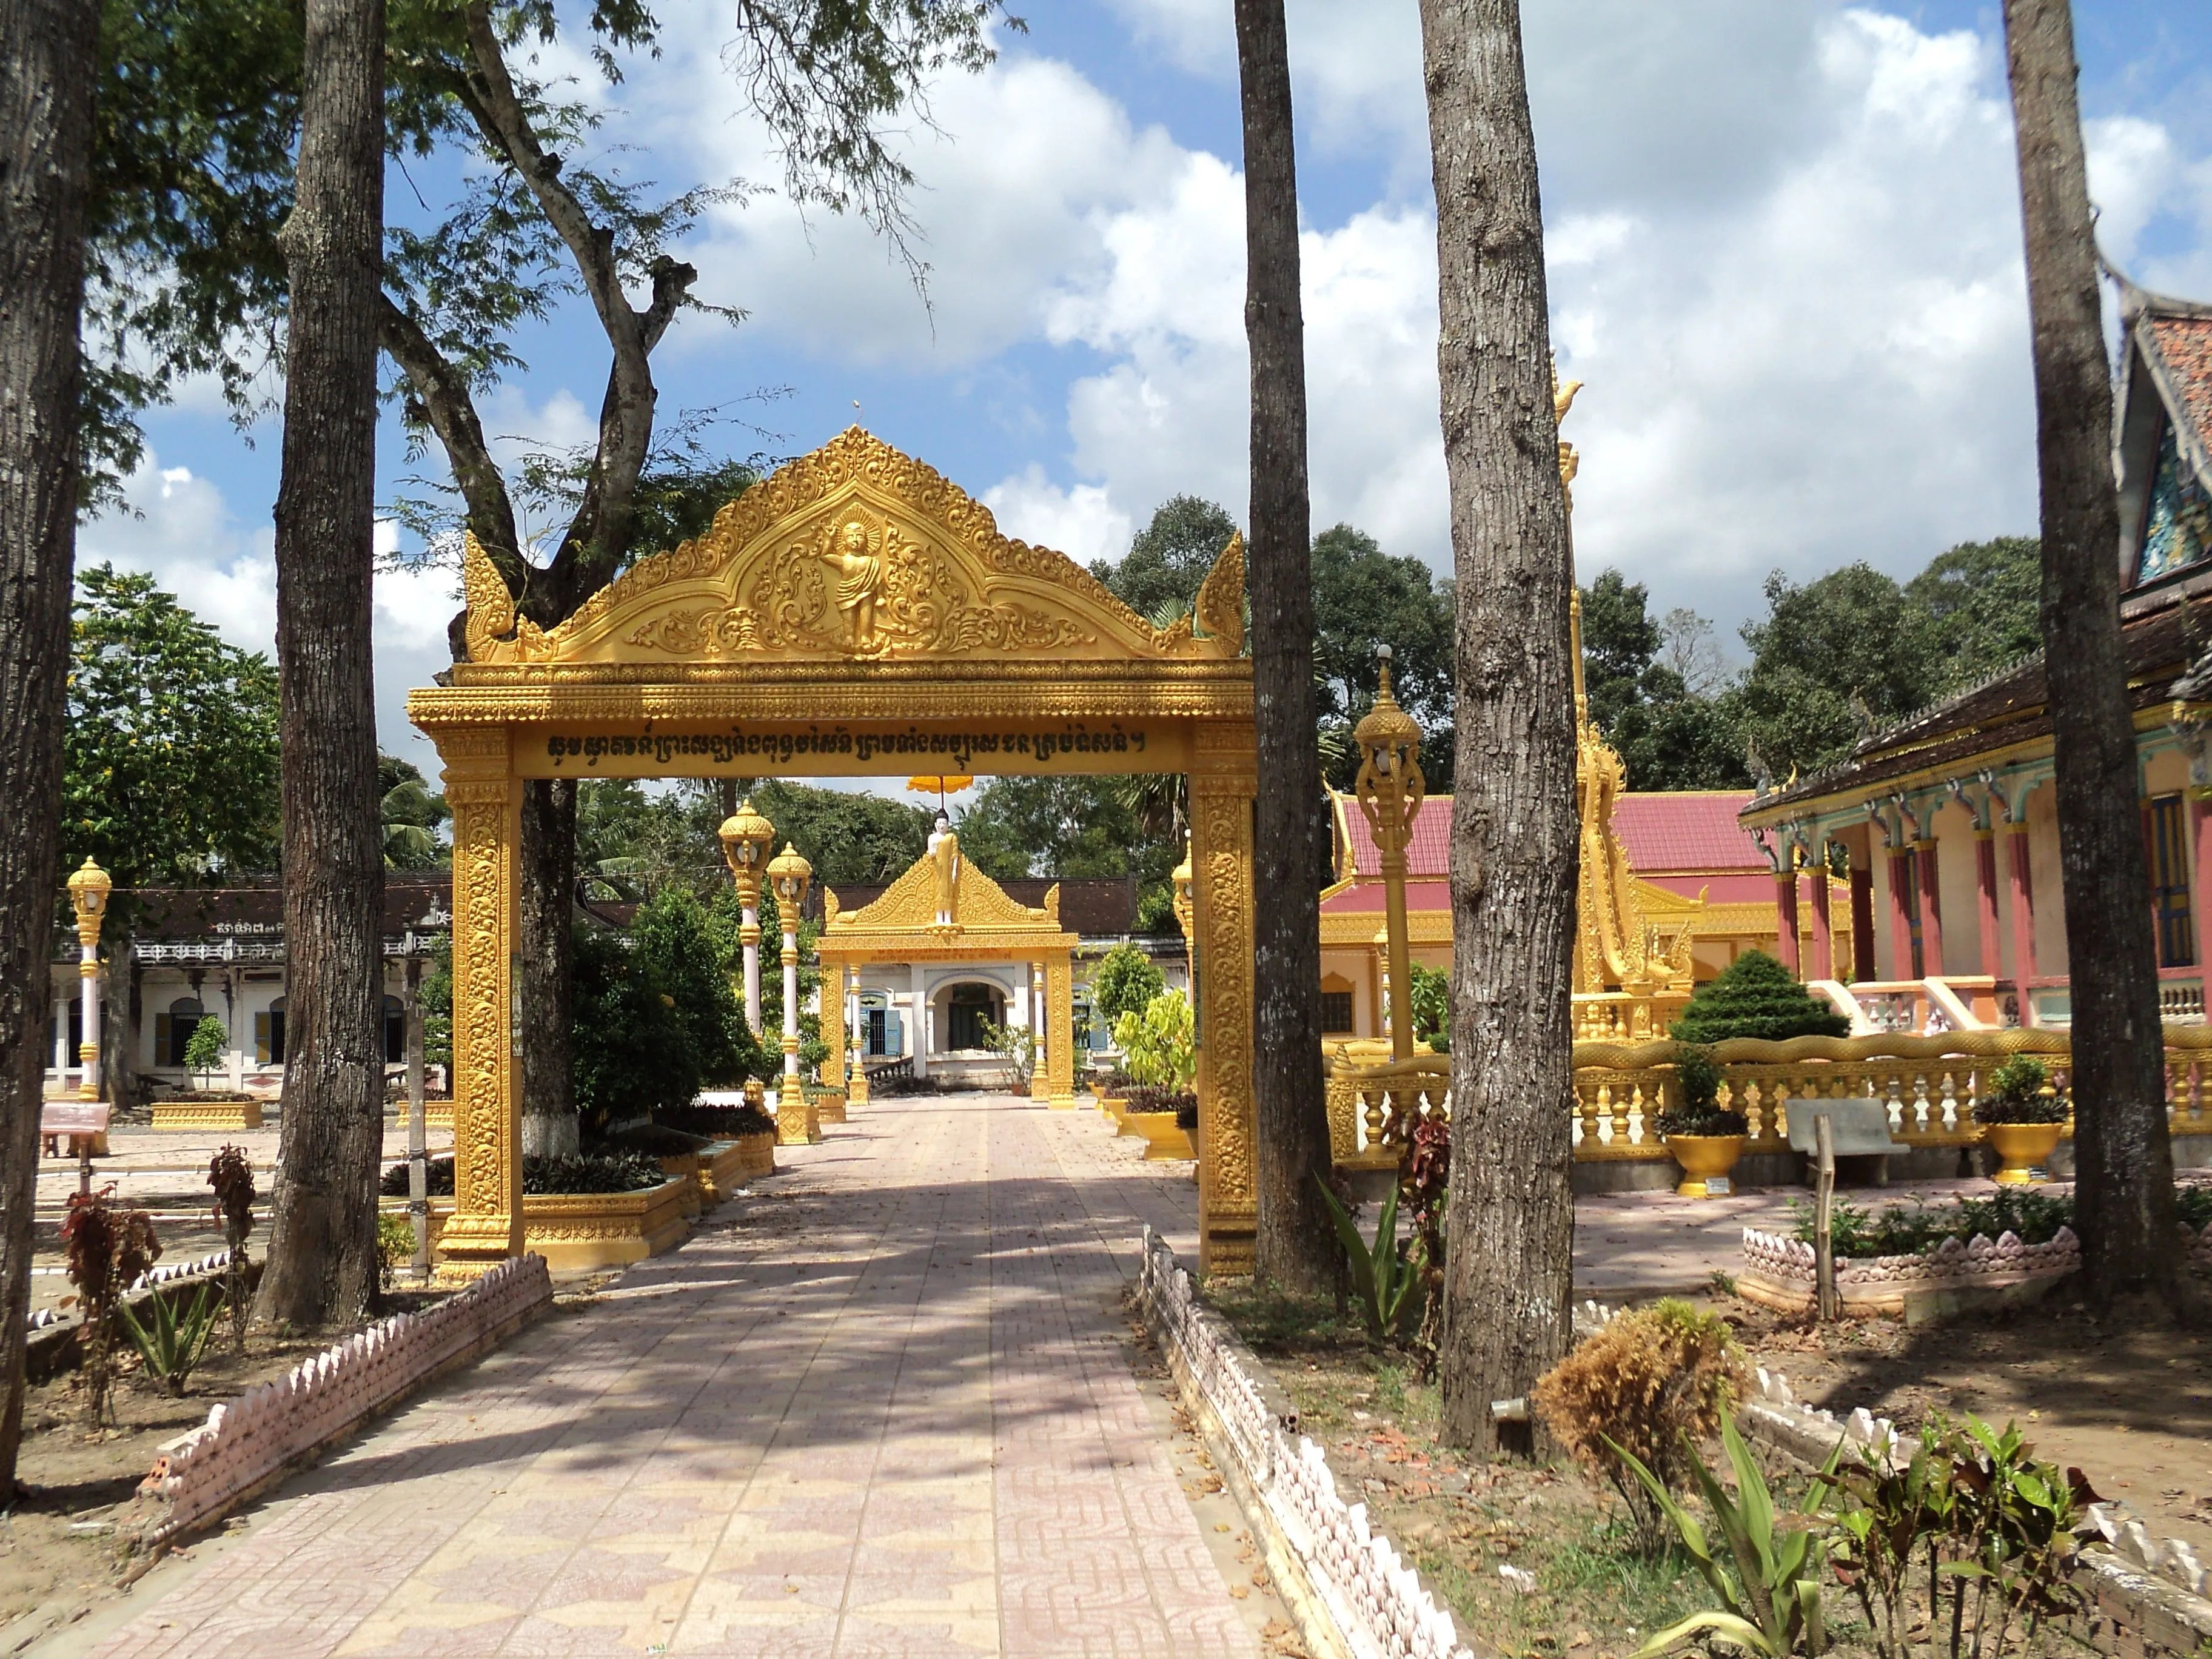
[{"x": 886, "y": 1410}]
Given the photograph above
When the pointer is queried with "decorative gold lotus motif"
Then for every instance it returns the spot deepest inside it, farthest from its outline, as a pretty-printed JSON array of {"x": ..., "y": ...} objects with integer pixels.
[{"x": 853, "y": 553}]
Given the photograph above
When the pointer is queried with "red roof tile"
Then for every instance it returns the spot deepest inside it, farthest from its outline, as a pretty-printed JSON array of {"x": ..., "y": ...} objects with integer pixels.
[
  {"x": 1693, "y": 830},
  {"x": 2186, "y": 345},
  {"x": 1690, "y": 831}
]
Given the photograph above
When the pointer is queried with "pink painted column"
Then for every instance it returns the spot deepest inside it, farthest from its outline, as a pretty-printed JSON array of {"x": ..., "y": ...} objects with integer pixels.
[
  {"x": 2023, "y": 906},
  {"x": 1786, "y": 911},
  {"x": 2200, "y": 895},
  {"x": 1862, "y": 924},
  {"x": 1986, "y": 899},
  {"x": 1931, "y": 913},
  {"x": 1824, "y": 943},
  {"x": 1900, "y": 918}
]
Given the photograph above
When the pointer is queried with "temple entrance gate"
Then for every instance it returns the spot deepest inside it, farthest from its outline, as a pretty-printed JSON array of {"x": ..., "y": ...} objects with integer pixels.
[{"x": 855, "y": 614}]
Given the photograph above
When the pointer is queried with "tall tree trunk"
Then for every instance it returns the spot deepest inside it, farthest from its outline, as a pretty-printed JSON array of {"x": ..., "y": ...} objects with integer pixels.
[
  {"x": 1296, "y": 1247},
  {"x": 1508, "y": 1259},
  {"x": 548, "y": 860},
  {"x": 322, "y": 1264},
  {"x": 2124, "y": 1159},
  {"x": 47, "y": 70}
]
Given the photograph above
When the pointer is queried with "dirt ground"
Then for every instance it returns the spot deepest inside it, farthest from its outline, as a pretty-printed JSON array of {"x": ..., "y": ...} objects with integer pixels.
[
  {"x": 58, "y": 1555},
  {"x": 2131, "y": 1408}
]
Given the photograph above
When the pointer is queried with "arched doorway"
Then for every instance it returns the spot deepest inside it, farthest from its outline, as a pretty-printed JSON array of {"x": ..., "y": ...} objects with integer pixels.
[{"x": 855, "y": 614}]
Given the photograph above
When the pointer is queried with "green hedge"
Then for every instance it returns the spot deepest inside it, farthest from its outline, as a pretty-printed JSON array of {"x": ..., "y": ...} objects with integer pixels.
[{"x": 1756, "y": 997}]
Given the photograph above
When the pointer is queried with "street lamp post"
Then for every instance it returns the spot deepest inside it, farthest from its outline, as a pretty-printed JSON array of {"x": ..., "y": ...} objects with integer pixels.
[
  {"x": 1391, "y": 788},
  {"x": 88, "y": 889},
  {"x": 787, "y": 876},
  {"x": 747, "y": 838}
]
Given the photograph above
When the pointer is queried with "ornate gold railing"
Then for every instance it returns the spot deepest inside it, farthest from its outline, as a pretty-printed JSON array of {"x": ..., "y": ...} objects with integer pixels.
[{"x": 1929, "y": 1083}]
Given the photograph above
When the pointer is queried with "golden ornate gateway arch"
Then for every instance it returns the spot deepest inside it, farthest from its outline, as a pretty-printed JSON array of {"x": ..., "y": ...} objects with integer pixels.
[{"x": 855, "y": 614}]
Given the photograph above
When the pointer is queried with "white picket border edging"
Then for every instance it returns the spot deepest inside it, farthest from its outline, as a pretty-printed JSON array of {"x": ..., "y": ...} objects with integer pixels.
[
  {"x": 247, "y": 1440},
  {"x": 1376, "y": 1601}
]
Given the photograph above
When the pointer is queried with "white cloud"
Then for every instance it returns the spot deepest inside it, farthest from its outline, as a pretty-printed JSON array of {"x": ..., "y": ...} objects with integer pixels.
[
  {"x": 182, "y": 532},
  {"x": 1080, "y": 521}
]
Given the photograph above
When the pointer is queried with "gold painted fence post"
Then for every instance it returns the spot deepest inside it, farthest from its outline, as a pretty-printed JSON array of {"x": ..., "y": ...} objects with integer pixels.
[
  {"x": 1059, "y": 1003},
  {"x": 1222, "y": 786},
  {"x": 486, "y": 1226}
]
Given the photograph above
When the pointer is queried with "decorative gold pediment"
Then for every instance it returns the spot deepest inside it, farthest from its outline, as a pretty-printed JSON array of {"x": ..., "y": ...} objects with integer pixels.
[
  {"x": 855, "y": 553},
  {"x": 910, "y": 906}
]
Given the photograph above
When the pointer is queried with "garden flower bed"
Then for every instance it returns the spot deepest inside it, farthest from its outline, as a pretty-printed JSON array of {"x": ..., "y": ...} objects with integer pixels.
[{"x": 2009, "y": 1247}]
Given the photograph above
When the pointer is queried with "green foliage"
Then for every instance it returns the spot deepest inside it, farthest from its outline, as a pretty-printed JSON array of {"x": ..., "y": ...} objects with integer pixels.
[
  {"x": 846, "y": 836},
  {"x": 1157, "y": 1045},
  {"x": 631, "y": 842},
  {"x": 1755, "y": 996},
  {"x": 203, "y": 1049},
  {"x": 1017, "y": 1044},
  {"x": 395, "y": 1245},
  {"x": 1387, "y": 1278},
  {"x": 1363, "y": 597},
  {"x": 172, "y": 1342},
  {"x": 170, "y": 755},
  {"x": 671, "y": 940},
  {"x": 592, "y": 1172},
  {"x": 411, "y": 812},
  {"x": 2019, "y": 1092},
  {"x": 1169, "y": 557},
  {"x": 633, "y": 1052},
  {"x": 437, "y": 998},
  {"x": 1993, "y": 1527},
  {"x": 1982, "y": 599},
  {"x": 1901, "y": 1230},
  {"x": 1633, "y": 1393},
  {"x": 1834, "y": 659},
  {"x": 1431, "y": 996},
  {"x": 1696, "y": 1110},
  {"x": 1767, "y": 1578},
  {"x": 1124, "y": 982},
  {"x": 1670, "y": 733}
]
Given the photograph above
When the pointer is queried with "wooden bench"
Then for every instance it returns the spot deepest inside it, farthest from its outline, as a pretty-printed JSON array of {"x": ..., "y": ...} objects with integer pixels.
[{"x": 81, "y": 1123}]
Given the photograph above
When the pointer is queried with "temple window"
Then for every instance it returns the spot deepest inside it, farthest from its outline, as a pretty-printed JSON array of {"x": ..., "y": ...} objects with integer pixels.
[{"x": 2169, "y": 883}]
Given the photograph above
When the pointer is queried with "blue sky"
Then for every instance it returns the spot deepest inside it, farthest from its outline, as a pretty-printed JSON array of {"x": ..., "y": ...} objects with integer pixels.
[{"x": 1784, "y": 241}]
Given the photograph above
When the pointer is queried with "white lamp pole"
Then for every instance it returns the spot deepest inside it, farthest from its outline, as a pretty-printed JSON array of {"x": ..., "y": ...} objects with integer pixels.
[
  {"x": 747, "y": 838},
  {"x": 788, "y": 874},
  {"x": 88, "y": 889}
]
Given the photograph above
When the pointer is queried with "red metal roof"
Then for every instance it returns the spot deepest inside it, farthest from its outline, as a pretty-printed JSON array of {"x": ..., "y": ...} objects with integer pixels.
[
  {"x": 1431, "y": 852},
  {"x": 1685, "y": 831}
]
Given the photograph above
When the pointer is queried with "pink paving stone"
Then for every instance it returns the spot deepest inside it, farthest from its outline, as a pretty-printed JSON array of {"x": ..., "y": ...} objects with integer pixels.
[{"x": 881, "y": 1407}]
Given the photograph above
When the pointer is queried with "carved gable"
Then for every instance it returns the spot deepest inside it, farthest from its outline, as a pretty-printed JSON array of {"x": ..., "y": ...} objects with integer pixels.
[
  {"x": 855, "y": 553},
  {"x": 909, "y": 905}
]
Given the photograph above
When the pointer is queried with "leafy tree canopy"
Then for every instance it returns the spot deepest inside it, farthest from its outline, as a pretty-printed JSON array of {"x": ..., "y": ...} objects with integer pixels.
[
  {"x": 1363, "y": 597},
  {"x": 632, "y": 840},
  {"x": 1669, "y": 737},
  {"x": 170, "y": 759},
  {"x": 675, "y": 946},
  {"x": 1124, "y": 982},
  {"x": 411, "y": 813},
  {"x": 1169, "y": 557}
]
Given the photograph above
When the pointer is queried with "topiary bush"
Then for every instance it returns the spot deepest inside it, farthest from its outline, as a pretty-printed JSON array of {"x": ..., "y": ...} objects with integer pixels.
[
  {"x": 1755, "y": 996},
  {"x": 2019, "y": 1092},
  {"x": 1124, "y": 982},
  {"x": 1697, "y": 1109},
  {"x": 1650, "y": 1382}
]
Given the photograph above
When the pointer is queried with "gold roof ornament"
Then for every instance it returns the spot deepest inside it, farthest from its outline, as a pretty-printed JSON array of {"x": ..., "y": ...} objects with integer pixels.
[
  {"x": 787, "y": 876},
  {"x": 746, "y": 837},
  {"x": 1386, "y": 728},
  {"x": 855, "y": 553}
]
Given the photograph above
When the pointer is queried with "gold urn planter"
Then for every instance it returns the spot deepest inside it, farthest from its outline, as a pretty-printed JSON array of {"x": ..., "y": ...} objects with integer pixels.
[
  {"x": 1163, "y": 1136},
  {"x": 239, "y": 1114},
  {"x": 2022, "y": 1149},
  {"x": 1705, "y": 1159},
  {"x": 1113, "y": 1106}
]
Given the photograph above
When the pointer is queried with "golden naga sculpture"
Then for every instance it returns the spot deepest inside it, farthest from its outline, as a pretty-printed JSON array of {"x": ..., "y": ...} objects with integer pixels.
[
  {"x": 855, "y": 553},
  {"x": 1616, "y": 947}
]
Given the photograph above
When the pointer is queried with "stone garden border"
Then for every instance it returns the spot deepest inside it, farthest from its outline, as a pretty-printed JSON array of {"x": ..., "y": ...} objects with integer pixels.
[
  {"x": 1778, "y": 1271},
  {"x": 248, "y": 1442},
  {"x": 1343, "y": 1580}
]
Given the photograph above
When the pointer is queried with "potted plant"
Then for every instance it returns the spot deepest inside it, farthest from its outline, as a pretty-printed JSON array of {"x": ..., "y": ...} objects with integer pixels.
[
  {"x": 2023, "y": 1116},
  {"x": 1158, "y": 1052},
  {"x": 1704, "y": 1137}
]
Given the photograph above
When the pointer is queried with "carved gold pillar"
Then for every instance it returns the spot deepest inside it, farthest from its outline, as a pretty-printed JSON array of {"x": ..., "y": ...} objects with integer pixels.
[
  {"x": 1060, "y": 1001},
  {"x": 833, "y": 1008},
  {"x": 1042, "y": 1032},
  {"x": 1222, "y": 783},
  {"x": 856, "y": 1074},
  {"x": 486, "y": 1226}
]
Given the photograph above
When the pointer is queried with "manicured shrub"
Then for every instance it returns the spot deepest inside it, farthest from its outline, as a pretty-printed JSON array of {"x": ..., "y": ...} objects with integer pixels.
[
  {"x": 632, "y": 1050},
  {"x": 1696, "y": 1108},
  {"x": 2017, "y": 1095},
  {"x": 1124, "y": 982},
  {"x": 1649, "y": 1383},
  {"x": 1431, "y": 996},
  {"x": 1755, "y": 996}
]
